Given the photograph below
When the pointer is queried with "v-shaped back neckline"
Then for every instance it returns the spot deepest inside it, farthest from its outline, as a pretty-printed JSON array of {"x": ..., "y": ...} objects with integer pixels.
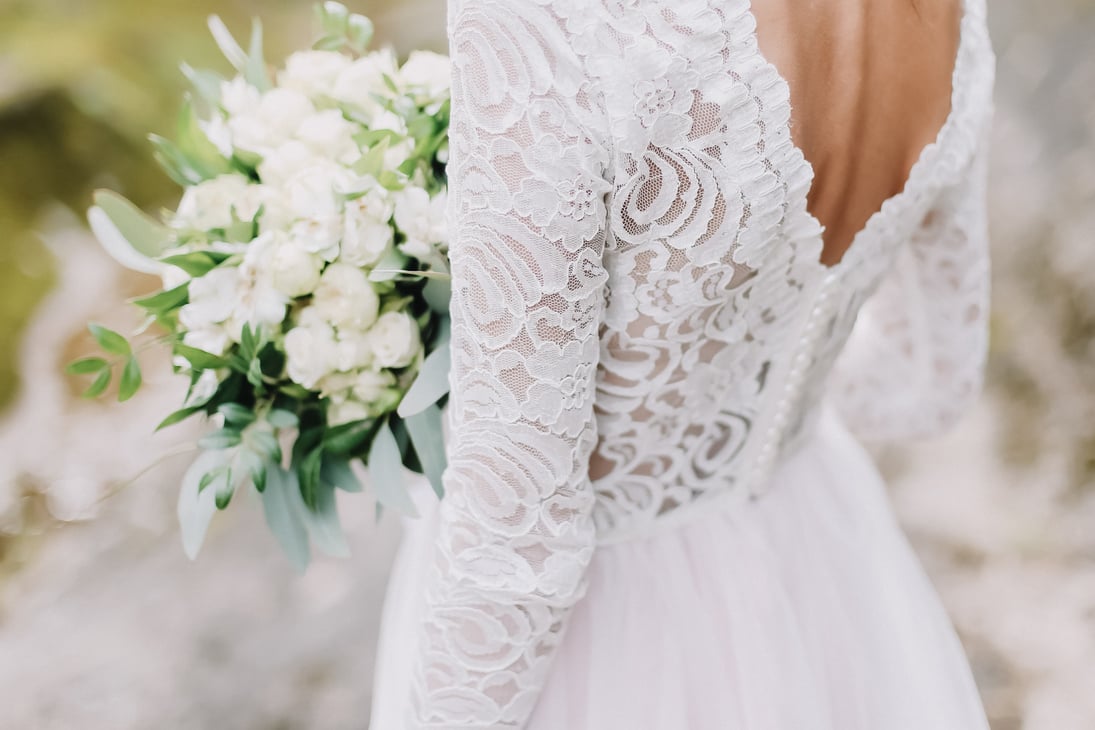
[{"x": 891, "y": 206}]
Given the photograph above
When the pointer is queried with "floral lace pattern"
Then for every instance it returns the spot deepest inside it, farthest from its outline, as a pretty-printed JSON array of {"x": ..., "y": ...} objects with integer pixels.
[{"x": 640, "y": 317}]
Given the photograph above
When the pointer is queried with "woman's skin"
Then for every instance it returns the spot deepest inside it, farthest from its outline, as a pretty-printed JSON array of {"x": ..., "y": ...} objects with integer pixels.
[{"x": 870, "y": 88}]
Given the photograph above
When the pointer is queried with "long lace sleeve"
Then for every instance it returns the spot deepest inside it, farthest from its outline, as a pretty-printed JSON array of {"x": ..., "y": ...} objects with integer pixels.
[
  {"x": 527, "y": 187},
  {"x": 916, "y": 358}
]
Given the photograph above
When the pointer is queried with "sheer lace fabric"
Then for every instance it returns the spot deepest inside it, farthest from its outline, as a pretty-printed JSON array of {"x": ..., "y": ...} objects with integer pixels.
[{"x": 640, "y": 319}]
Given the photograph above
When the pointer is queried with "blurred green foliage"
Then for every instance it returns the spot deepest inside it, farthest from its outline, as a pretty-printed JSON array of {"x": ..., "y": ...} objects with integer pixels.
[{"x": 81, "y": 86}]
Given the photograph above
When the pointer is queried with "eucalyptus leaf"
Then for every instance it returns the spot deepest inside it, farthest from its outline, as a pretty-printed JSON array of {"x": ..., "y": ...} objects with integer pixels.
[
  {"x": 431, "y": 383},
  {"x": 393, "y": 260},
  {"x": 337, "y": 472},
  {"x": 428, "y": 438},
  {"x": 126, "y": 233},
  {"x": 222, "y": 438},
  {"x": 438, "y": 292},
  {"x": 175, "y": 162},
  {"x": 196, "y": 509},
  {"x": 386, "y": 473},
  {"x": 236, "y": 414},
  {"x": 228, "y": 45},
  {"x": 280, "y": 418},
  {"x": 284, "y": 516},
  {"x": 323, "y": 523},
  {"x": 196, "y": 263},
  {"x": 206, "y": 83},
  {"x": 255, "y": 68}
]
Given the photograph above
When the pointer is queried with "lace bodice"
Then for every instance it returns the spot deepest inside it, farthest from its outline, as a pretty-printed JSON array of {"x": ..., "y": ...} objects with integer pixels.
[{"x": 641, "y": 321}]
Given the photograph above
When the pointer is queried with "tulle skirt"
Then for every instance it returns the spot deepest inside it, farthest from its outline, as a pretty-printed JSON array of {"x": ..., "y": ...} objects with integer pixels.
[{"x": 803, "y": 610}]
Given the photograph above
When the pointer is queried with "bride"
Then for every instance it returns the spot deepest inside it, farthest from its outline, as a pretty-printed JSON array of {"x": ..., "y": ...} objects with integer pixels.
[{"x": 700, "y": 250}]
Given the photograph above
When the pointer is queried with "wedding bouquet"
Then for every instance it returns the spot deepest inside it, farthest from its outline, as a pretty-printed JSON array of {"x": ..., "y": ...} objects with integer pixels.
[{"x": 305, "y": 289}]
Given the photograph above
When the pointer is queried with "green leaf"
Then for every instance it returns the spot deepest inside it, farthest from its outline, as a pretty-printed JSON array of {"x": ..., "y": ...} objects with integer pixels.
[
  {"x": 255, "y": 69},
  {"x": 86, "y": 366},
  {"x": 131, "y": 379},
  {"x": 200, "y": 359},
  {"x": 197, "y": 507},
  {"x": 280, "y": 418},
  {"x": 129, "y": 235},
  {"x": 348, "y": 439},
  {"x": 438, "y": 293},
  {"x": 392, "y": 260},
  {"x": 109, "y": 340},
  {"x": 176, "y": 163},
  {"x": 338, "y": 473},
  {"x": 285, "y": 514},
  {"x": 236, "y": 414},
  {"x": 428, "y": 438},
  {"x": 222, "y": 438},
  {"x": 180, "y": 415},
  {"x": 98, "y": 385},
  {"x": 265, "y": 443},
  {"x": 225, "y": 489},
  {"x": 194, "y": 144},
  {"x": 431, "y": 383},
  {"x": 372, "y": 162},
  {"x": 308, "y": 470},
  {"x": 359, "y": 32},
  {"x": 228, "y": 45},
  {"x": 197, "y": 263},
  {"x": 324, "y": 525},
  {"x": 386, "y": 473},
  {"x": 166, "y": 300},
  {"x": 206, "y": 83}
]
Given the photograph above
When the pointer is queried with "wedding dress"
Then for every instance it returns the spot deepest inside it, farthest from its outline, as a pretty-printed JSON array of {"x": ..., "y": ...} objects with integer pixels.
[{"x": 657, "y": 513}]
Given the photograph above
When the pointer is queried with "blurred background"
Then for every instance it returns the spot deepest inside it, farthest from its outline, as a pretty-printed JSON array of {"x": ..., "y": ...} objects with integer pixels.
[{"x": 105, "y": 625}]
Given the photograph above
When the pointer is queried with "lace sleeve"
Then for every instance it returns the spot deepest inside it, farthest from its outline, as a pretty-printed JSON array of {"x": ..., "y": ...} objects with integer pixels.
[
  {"x": 527, "y": 191},
  {"x": 916, "y": 356}
]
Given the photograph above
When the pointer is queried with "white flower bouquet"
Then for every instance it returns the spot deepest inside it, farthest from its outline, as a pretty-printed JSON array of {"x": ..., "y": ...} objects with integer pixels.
[{"x": 305, "y": 288}]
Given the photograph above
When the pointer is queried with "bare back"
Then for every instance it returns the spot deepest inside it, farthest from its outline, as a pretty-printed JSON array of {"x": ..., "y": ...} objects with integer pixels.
[{"x": 870, "y": 85}]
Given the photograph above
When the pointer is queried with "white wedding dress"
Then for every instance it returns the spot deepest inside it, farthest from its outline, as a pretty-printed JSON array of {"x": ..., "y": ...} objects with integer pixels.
[{"x": 658, "y": 515}]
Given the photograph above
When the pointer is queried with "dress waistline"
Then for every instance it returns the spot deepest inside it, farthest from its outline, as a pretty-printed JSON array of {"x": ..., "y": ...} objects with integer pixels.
[{"x": 741, "y": 492}]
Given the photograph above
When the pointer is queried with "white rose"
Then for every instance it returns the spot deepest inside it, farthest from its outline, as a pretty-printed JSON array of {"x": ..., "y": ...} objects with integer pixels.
[
  {"x": 173, "y": 276},
  {"x": 238, "y": 96},
  {"x": 428, "y": 73},
  {"x": 346, "y": 411},
  {"x": 345, "y": 298},
  {"x": 310, "y": 192},
  {"x": 216, "y": 131},
  {"x": 364, "y": 77},
  {"x": 395, "y": 340},
  {"x": 313, "y": 72},
  {"x": 285, "y": 162},
  {"x": 258, "y": 303},
  {"x": 371, "y": 385},
  {"x": 212, "y": 298},
  {"x": 209, "y": 204},
  {"x": 422, "y": 220},
  {"x": 329, "y": 135},
  {"x": 293, "y": 270},
  {"x": 275, "y": 119},
  {"x": 211, "y": 338},
  {"x": 204, "y": 388},
  {"x": 310, "y": 352},
  {"x": 354, "y": 350},
  {"x": 365, "y": 238}
]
